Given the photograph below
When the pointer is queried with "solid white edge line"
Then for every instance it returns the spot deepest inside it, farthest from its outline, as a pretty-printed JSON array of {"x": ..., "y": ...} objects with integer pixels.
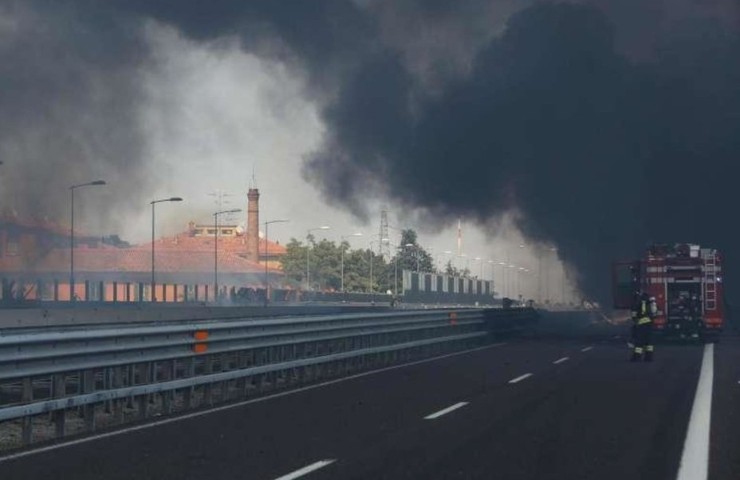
[
  {"x": 586, "y": 349},
  {"x": 230, "y": 406},
  {"x": 445, "y": 411},
  {"x": 520, "y": 378},
  {"x": 306, "y": 470},
  {"x": 561, "y": 360},
  {"x": 695, "y": 457}
]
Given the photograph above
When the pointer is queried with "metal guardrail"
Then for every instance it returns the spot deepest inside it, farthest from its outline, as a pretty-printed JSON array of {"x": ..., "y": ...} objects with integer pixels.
[{"x": 73, "y": 380}]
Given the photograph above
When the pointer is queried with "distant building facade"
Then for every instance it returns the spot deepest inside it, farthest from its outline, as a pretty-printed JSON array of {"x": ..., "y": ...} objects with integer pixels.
[{"x": 35, "y": 262}]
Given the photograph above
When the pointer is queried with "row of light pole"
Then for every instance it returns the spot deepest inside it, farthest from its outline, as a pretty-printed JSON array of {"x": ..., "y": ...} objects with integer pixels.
[
  {"x": 308, "y": 250},
  {"x": 153, "y": 203},
  {"x": 72, "y": 294},
  {"x": 215, "y": 248},
  {"x": 267, "y": 278}
]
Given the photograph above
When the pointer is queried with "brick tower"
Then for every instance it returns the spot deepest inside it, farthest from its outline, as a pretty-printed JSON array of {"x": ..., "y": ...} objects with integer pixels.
[{"x": 253, "y": 224}]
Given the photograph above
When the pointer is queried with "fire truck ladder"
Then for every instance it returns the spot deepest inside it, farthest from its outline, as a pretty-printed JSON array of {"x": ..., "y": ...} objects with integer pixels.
[{"x": 710, "y": 281}]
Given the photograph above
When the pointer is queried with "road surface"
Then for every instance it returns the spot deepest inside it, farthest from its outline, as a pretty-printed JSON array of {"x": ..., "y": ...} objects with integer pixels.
[{"x": 538, "y": 408}]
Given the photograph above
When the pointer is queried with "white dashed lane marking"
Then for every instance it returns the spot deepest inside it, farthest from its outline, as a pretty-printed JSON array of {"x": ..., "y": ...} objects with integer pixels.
[
  {"x": 306, "y": 470},
  {"x": 520, "y": 378},
  {"x": 445, "y": 411},
  {"x": 695, "y": 458}
]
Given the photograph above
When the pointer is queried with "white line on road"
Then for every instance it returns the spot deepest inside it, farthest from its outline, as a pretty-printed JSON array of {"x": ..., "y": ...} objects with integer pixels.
[
  {"x": 520, "y": 378},
  {"x": 445, "y": 411},
  {"x": 561, "y": 360},
  {"x": 586, "y": 349},
  {"x": 695, "y": 457},
  {"x": 186, "y": 416},
  {"x": 306, "y": 470}
]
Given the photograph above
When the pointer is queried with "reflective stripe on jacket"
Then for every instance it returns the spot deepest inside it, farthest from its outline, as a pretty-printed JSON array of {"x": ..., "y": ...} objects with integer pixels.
[{"x": 643, "y": 316}]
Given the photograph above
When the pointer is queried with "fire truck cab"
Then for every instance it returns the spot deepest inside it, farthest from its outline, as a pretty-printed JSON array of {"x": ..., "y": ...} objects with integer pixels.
[{"x": 686, "y": 282}]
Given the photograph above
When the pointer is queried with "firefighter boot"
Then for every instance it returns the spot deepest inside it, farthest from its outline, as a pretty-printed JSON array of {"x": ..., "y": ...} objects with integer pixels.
[
  {"x": 649, "y": 353},
  {"x": 636, "y": 354}
]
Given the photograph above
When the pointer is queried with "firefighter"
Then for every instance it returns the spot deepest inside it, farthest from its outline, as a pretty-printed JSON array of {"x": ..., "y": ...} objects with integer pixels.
[{"x": 643, "y": 312}]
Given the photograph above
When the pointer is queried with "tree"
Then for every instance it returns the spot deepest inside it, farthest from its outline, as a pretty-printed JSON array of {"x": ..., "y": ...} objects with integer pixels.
[
  {"x": 412, "y": 256},
  {"x": 453, "y": 271},
  {"x": 357, "y": 271},
  {"x": 294, "y": 262},
  {"x": 326, "y": 266},
  {"x": 326, "y": 270}
]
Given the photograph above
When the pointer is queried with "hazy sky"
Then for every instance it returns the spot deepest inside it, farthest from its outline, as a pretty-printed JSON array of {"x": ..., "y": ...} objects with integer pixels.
[{"x": 569, "y": 121}]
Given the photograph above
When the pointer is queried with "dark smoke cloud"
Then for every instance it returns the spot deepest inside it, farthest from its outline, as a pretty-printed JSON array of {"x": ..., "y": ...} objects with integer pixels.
[
  {"x": 608, "y": 123},
  {"x": 68, "y": 95},
  {"x": 601, "y": 153}
]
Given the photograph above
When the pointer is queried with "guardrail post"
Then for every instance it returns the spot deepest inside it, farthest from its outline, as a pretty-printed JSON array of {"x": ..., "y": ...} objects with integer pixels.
[
  {"x": 117, "y": 382},
  {"x": 27, "y": 397},
  {"x": 168, "y": 373},
  {"x": 107, "y": 385},
  {"x": 208, "y": 388},
  {"x": 144, "y": 378},
  {"x": 130, "y": 372},
  {"x": 59, "y": 415},
  {"x": 88, "y": 411},
  {"x": 223, "y": 386},
  {"x": 189, "y": 372}
]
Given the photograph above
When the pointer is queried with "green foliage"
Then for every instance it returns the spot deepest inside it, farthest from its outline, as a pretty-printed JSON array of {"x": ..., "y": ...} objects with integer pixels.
[
  {"x": 451, "y": 270},
  {"x": 294, "y": 262},
  {"x": 325, "y": 261},
  {"x": 412, "y": 256}
]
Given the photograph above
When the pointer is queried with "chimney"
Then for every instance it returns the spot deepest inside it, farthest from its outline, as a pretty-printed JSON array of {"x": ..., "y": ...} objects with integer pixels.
[{"x": 253, "y": 224}]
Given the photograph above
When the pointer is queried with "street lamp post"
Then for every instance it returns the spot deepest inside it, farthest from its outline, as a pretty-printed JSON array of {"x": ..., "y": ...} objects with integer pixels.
[
  {"x": 511, "y": 280},
  {"x": 480, "y": 261},
  {"x": 493, "y": 268},
  {"x": 153, "y": 203},
  {"x": 467, "y": 262},
  {"x": 395, "y": 273},
  {"x": 445, "y": 254},
  {"x": 215, "y": 248},
  {"x": 267, "y": 278},
  {"x": 308, "y": 249},
  {"x": 72, "y": 233},
  {"x": 371, "y": 286},
  {"x": 503, "y": 278},
  {"x": 341, "y": 240},
  {"x": 397, "y": 248}
]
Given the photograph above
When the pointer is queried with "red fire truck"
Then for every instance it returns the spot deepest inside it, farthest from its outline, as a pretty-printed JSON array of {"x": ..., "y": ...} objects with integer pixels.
[{"x": 686, "y": 281}]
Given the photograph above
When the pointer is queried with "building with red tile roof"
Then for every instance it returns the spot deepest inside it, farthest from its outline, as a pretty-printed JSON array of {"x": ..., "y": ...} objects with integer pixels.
[{"x": 36, "y": 255}]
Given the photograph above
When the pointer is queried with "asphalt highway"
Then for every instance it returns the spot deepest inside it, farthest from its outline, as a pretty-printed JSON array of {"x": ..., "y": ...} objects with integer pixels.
[{"x": 537, "y": 408}]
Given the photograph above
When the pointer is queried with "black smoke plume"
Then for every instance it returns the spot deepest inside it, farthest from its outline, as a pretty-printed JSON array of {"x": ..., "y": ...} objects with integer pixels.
[
  {"x": 608, "y": 124},
  {"x": 69, "y": 92}
]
